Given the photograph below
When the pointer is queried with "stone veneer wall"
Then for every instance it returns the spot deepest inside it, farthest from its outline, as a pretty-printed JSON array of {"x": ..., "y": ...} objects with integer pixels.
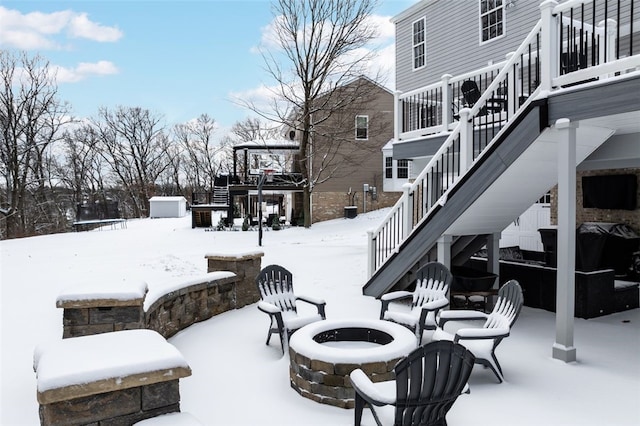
[
  {"x": 120, "y": 407},
  {"x": 179, "y": 309},
  {"x": 174, "y": 311},
  {"x": 628, "y": 217},
  {"x": 95, "y": 316},
  {"x": 196, "y": 301},
  {"x": 329, "y": 383},
  {"x": 330, "y": 205}
]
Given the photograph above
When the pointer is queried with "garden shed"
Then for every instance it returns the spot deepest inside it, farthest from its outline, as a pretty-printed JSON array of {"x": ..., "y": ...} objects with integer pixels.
[{"x": 167, "y": 207}]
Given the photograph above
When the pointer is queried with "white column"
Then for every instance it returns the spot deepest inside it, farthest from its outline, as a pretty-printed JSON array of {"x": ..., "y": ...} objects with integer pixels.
[
  {"x": 446, "y": 102},
  {"x": 549, "y": 45},
  {"x": 563, "y": 348},
  {"x": 466, "y": 140},
  {"x": 397, "y": 116},
  {"x": 444, "y": 250},
  {"x": 371, "y": 253},
  {"x": 513, "y": 80},
  {"x": 407, "y": 219}
]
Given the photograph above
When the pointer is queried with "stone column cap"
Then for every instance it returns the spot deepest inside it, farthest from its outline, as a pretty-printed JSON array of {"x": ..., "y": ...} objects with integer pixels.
[
  {"x": 103, "y": 294},
  {"x": 234, "y": 256},
  {"x": 89, "y": 365}
]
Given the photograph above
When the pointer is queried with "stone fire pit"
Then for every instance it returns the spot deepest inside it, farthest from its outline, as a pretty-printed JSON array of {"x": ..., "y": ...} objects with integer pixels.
[{"x": 324, "y": 353}]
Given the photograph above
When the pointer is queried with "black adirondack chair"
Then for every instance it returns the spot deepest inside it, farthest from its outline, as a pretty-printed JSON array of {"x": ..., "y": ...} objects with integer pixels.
[
  {"x": 428, "y": 382},
  {"x": 482, "y": 341},
  {"x": 275, "y": 284},
  {"x": 428, "y": 298}
]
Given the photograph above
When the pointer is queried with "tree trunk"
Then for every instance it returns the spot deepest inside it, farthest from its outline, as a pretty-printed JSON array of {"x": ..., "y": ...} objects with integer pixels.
[{"x": 306, "y": 206}]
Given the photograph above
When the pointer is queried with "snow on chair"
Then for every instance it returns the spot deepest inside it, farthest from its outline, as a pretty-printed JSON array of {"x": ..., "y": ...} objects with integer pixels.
[
  {"x": 275, "y": 284},
  {"x": 427, "y": 383},
  {"x": 482, "y": 341},
  {"x": 428, "y": 298}
]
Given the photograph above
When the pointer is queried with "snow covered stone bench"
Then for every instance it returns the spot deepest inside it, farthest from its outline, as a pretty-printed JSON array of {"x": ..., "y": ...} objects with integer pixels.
[{"x": 114, "y": 378}]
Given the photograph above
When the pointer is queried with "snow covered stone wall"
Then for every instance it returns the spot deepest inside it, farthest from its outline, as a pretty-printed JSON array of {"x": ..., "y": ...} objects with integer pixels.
[
  {"x": 114, "y": 378},
  {"x": 94, "y": 309},
  {"x": 229, "y": 284}
]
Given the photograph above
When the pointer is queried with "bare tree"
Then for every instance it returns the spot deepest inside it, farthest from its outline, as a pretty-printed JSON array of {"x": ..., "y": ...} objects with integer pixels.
[
  {"x": 30, "y": 120},
  {"x": 132, "y": 141},
  {"x": 323, "y": 43},
  {"x": 201, "y": 151},
  {"x": 84, "y": 169}
]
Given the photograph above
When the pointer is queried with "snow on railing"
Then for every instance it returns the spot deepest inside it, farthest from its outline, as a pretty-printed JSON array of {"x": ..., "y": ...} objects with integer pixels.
[{"x": 545, "y": 61}]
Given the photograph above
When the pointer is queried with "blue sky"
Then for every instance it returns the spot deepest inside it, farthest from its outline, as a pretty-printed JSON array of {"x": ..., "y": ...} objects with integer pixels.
[{"x": 177, "y": 58}]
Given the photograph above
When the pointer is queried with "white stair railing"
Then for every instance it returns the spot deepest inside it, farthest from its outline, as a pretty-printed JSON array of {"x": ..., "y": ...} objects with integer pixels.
[{"x": 534, "y": 67}]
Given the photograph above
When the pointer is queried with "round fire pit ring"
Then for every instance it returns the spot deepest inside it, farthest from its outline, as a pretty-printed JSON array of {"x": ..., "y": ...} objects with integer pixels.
[{"x": 324, "y": 353}]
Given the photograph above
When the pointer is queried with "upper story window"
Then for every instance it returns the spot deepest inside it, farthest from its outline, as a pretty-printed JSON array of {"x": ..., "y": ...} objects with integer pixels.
[
  {"x": 362, "y": 127},
  {"x": 419, "y": 44},
  {"x": 388, "y": 167},
  {"x": 491, "y": 19},
  {"x": 403, "y": 169}
]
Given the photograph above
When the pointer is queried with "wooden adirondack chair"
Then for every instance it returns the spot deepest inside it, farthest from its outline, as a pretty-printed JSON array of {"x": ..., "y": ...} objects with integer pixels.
[
  {"x": 275, "y": 284},
  {"x": 428, "y": 382}
]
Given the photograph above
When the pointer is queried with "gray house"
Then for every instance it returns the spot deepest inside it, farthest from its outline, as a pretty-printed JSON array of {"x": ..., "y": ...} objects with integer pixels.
[{"x": 500, "y": 103}]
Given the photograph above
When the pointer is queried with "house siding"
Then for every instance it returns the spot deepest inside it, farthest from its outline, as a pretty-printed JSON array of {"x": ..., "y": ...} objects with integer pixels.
[
  {"x": 361, "y": 159},
  {"x": 453, "y": 40}
]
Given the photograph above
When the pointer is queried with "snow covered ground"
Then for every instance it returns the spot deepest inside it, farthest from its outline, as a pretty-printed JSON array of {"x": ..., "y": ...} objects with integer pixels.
[{"x": 238, "y": 380}]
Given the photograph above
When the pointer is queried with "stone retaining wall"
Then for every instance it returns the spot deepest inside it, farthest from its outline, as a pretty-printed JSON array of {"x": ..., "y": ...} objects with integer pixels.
[
  {"x": 229, "y": 284},
  {"x": 232, "y": 286},
  {"x": 122, "y": 407},
  {"x": 179, "y": 309}
]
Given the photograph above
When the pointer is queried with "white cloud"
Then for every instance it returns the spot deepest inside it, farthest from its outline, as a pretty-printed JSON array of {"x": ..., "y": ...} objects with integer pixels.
[
  {"x": 80, "y": 26},
  {"x": 83, "y": 71},
  {"x": 41, "y": 31}
]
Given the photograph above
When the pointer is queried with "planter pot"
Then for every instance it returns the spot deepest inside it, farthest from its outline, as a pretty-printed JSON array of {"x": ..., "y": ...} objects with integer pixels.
[{"x": 350, "y": 212}]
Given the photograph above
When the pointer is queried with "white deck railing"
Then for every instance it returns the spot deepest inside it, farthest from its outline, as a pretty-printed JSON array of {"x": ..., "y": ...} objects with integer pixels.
[{"x": 547, "y": 59}]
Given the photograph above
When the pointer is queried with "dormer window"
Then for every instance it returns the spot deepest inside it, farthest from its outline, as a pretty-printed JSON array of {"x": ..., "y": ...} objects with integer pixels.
[
  {"x": 419, "y": 44},
  {"x": 491, "y": 19}
]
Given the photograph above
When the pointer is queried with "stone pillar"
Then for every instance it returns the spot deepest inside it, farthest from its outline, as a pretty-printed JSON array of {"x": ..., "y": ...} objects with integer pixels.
[
  {"x": 89, "y": 310},
  {"x": 95, "y": 392},
  {"x": 246, "y": 266}
]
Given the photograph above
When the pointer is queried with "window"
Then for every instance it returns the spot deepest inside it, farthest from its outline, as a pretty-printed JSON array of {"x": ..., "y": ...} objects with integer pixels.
[
  {"x": 419, "y": 47},
  {"x": 362, "y": 127},
  {"x": 403, "y": 169},
  {"x": 491, "y": 19},
  {"x": 388, "y": 167}
]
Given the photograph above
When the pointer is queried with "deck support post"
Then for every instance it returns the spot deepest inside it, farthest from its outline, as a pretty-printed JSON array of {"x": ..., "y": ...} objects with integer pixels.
[
  {"x": 444, "y": 250},
  {"x": 563, "y": 348},
  {"x": 493, "y": 255}
]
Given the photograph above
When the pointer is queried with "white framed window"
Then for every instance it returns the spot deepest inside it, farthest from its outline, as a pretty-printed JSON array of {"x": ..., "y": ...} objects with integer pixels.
[
  {"x": 491, "y": 20},
  {"x": 362, "y": 127},
  {"x": 388, "y": 167},
  {"x": 403, "y": 169},
  {"x": 419, "y": 43}
]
